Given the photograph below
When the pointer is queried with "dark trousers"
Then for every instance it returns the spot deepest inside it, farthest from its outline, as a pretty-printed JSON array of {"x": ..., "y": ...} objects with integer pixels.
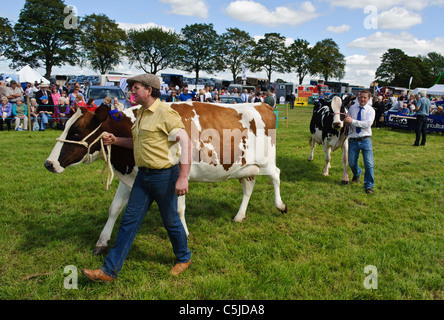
[
  {"x": 8, "y": 123},
  {"x": 421, "y": 129}
]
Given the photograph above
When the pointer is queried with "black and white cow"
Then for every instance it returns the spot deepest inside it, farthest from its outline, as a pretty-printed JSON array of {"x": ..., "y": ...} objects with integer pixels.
[{"x": 327, "y": 128}]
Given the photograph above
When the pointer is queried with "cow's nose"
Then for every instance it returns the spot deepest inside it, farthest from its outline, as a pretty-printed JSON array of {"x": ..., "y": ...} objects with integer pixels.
[
  {"x": 49, "y": 166},
  {"x": 337, "y": 125}
]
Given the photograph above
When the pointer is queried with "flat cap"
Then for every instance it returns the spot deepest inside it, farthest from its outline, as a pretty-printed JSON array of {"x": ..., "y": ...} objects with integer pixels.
[{"x": 147, "y": 79}]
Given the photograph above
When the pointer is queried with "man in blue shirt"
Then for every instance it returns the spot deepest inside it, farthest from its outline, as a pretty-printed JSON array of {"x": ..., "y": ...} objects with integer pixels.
[
  {"x": 422, "y": 112},
  {"x": 186, "y": 95}
]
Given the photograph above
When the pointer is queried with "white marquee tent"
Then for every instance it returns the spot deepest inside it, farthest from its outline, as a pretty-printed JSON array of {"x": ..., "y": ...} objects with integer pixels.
[
  {"x": 27, "y": 74},
  {"x": 437, "y": 89}
]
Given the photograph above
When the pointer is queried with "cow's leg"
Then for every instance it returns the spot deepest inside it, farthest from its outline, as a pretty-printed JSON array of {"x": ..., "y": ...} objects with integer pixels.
[
  {"x": 311, "y": 155},
  {"x": 276, "y": 181},
  {"x": 120, "y": 200},
  {"x": 181, "y": 210},
  {"x": 327, "y": 152},
  {"x": 345, "y": 179},
  {"x": 247, "y": 186}
]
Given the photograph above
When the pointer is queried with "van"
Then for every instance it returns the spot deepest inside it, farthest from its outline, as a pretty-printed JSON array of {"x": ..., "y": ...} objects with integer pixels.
[{"x": 240, "y": 88}]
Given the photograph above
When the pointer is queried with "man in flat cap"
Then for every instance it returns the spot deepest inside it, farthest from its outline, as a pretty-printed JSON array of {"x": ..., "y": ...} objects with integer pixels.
[{"x": 162, "y": 176}]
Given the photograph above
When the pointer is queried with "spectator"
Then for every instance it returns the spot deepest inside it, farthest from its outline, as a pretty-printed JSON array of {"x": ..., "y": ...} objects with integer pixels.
[
  {"x": 216, "y": 98},
  {"x": 6, "y": 110},
  {"x": 422, "y": 112},
  {"x": 73, "y": 95},
  {"x": 43, "y": 91},
  {"x": 44, "y": 111},
  {"x": 172, "y": 97},
  {"x": 3, "y": 89},
  {"x": 55, "y": 95},
  {"x": 258, "y": 97},
  {"x": 116, "y": 104},
  {"x": 292, "y": 100},
  {"x": 63, "y": 111},
  {"x": 438, "y": 111},
  {"x": 244, "y": 96},
  {"x": 33, "y": 109},
  {"x": 30, "y": 90},
  {"x": 270, "y": 100},
  {"x": 91, "y": 105},
  {"x": 20, "y": 112},
  {"x": 14, "y": 92},
  {"x": 379, "y": 107},
  {"x": 186, "y": 95},
  {"x": 235, "y": 92}
]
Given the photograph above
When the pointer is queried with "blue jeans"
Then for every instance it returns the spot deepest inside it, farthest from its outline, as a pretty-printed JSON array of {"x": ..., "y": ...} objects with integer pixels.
[
  {"x": 367, "y": 153},
  {"x": 44, "y": 121},
  {"x": 155, "y": 185}
]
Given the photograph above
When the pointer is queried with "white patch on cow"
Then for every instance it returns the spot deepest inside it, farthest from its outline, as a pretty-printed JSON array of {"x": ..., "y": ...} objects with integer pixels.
[
  {"x": 336, "y": 104},
  {"x": 54, "y": 156}
]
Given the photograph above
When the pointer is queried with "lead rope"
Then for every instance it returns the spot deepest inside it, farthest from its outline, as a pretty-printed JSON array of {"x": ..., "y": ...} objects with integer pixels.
[{"x": 106, "y": 155}]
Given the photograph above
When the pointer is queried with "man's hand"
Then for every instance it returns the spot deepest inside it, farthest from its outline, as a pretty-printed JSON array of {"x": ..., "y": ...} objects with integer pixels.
[
  {"x": 181, "y": 186},
  {"x": 348, "y": 119}
]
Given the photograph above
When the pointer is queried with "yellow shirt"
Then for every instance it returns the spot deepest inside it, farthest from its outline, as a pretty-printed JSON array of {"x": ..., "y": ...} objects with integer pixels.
[{"x": 150, "y": 135}]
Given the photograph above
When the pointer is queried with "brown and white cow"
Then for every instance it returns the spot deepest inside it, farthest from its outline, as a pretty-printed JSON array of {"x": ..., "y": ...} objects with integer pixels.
[
  {"x": 327, "y": 128},
  {"x": 229, "y": 142}
]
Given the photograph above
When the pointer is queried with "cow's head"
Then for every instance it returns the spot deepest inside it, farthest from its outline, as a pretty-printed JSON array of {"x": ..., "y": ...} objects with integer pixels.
[
  {"x": 338, "y": 108},
  {"x": 69, "y": 149}
]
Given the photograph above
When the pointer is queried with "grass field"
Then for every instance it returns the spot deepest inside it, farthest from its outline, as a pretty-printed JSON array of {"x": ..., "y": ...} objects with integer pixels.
[{"x": 318, "y": 250}]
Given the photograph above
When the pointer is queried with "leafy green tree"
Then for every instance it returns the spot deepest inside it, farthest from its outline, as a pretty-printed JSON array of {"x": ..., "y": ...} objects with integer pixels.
[
  {"x": 102, "y": 42},
  {"x": 42, "y": 38},
  {"x": 268, "y": 55},
  {"x": 298, "y": 57},
  {"x": 327, "y": 61},
  {"x": 152, "y": 49},
  {"x": 236, "y": 48},
  {"x": 199, "y": 50},
  {"x": 397, "y": 68},
  {"x": 6, "y": 36},
  {"x": 435, "y": 61}
]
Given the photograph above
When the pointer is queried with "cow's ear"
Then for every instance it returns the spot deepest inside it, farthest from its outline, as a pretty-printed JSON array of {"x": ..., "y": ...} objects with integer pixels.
[{"x": 101, "y": 113}]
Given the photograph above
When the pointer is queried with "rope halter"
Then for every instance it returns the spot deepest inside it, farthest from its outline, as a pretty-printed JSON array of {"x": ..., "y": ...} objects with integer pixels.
[{"x": 106, "y": 155}]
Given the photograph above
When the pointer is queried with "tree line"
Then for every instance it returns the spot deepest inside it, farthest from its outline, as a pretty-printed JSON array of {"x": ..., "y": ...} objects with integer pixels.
[{"x": 40, "y": 38}]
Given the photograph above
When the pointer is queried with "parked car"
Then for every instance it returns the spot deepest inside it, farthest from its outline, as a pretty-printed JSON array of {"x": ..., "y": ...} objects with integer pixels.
[
  {"x": 230, "y": 99},
  {"x": 99, "y": 93}
]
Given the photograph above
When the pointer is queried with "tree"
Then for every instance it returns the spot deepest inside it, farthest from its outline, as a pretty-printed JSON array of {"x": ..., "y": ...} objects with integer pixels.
[
  {"x": 435, "y": 61},
  {"x": 42, "y": 38},
  {"x": 298, "y": 57},
  {"x": 199, "y": 50},
  {"x": 269, "y": 54},
  {"x": 152, "y": 49},
  {"x": 236, "y": 47},
  {"x": 327, "y": 61},
  {"x": 397, "y": 68},
  {"x": 102, "y": 42},
  {"x": 6, "y": 36}
]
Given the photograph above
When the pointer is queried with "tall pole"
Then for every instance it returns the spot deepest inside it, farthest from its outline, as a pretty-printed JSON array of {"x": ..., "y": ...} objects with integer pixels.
[{"x": 28, "y": 107}]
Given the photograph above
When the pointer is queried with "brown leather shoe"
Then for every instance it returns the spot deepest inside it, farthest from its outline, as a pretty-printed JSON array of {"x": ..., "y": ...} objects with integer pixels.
[
  {"x": 179, "y": 268},
  {"x": 97, "y": 275}
]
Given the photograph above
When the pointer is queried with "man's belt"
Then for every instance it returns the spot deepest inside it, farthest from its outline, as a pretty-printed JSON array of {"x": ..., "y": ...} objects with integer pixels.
[{"x": 361, "y": 138}]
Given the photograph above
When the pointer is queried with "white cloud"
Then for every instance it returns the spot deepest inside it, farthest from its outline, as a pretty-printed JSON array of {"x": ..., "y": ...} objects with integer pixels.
[
  {"x": 339, "y": 29},
  {"x": 385, "y": 4},
  {"x": 398, "y": 18},
  {"x": 256, "y": 13},
  {"x": 196, "y": 8}
]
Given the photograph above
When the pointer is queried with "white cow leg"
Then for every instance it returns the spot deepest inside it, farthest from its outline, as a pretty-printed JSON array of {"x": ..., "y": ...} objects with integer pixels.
[
  {"x": 327, "y": 152},
  {"x": 276, "y": 181},
  {"x": 181, "y": 210},
  {"x": 247, "y": 186},
  {"x": 313, "y": 144},
  {"x": 119, "y": 202}
]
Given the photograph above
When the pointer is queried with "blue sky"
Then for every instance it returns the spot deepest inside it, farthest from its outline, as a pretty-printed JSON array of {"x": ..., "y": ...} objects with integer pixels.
[{"x": 364, "y": 30}]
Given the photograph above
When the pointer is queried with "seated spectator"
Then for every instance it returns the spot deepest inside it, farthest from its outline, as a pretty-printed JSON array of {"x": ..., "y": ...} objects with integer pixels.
[
  {"x": 438, "y": 111},
  {"x": 216, "y": 98},
  {"x": 404, "y": 109},
  {"x": 79, "y": 102},
  {"x": 91, "y": 105},
  {"x": 63, "y": 111},
  {"x": 117, "y": 105},
  {"x": 6, "y": 113},
  {"x": 20, "y": 112},
  {"x": 44, "y": 111},
  {"x": 33, "y": 109}
]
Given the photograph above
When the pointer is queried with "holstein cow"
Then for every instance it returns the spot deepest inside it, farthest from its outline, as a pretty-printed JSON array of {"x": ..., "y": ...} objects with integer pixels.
[
  {"x": 327, "y": 128},
  {"x": 229, "y": 142}
]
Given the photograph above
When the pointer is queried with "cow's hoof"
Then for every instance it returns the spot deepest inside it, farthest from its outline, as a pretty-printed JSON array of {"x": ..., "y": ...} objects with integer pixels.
[
  {"x": 99, "y": 250},
  {"x": 238, "y": 219},
  {"x": 283, "y": 210},
  {"x": 344, "y": 182}
]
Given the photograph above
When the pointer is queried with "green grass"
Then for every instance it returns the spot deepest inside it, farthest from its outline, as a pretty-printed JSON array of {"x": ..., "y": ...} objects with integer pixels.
[{"x": 318, "y": 250}]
